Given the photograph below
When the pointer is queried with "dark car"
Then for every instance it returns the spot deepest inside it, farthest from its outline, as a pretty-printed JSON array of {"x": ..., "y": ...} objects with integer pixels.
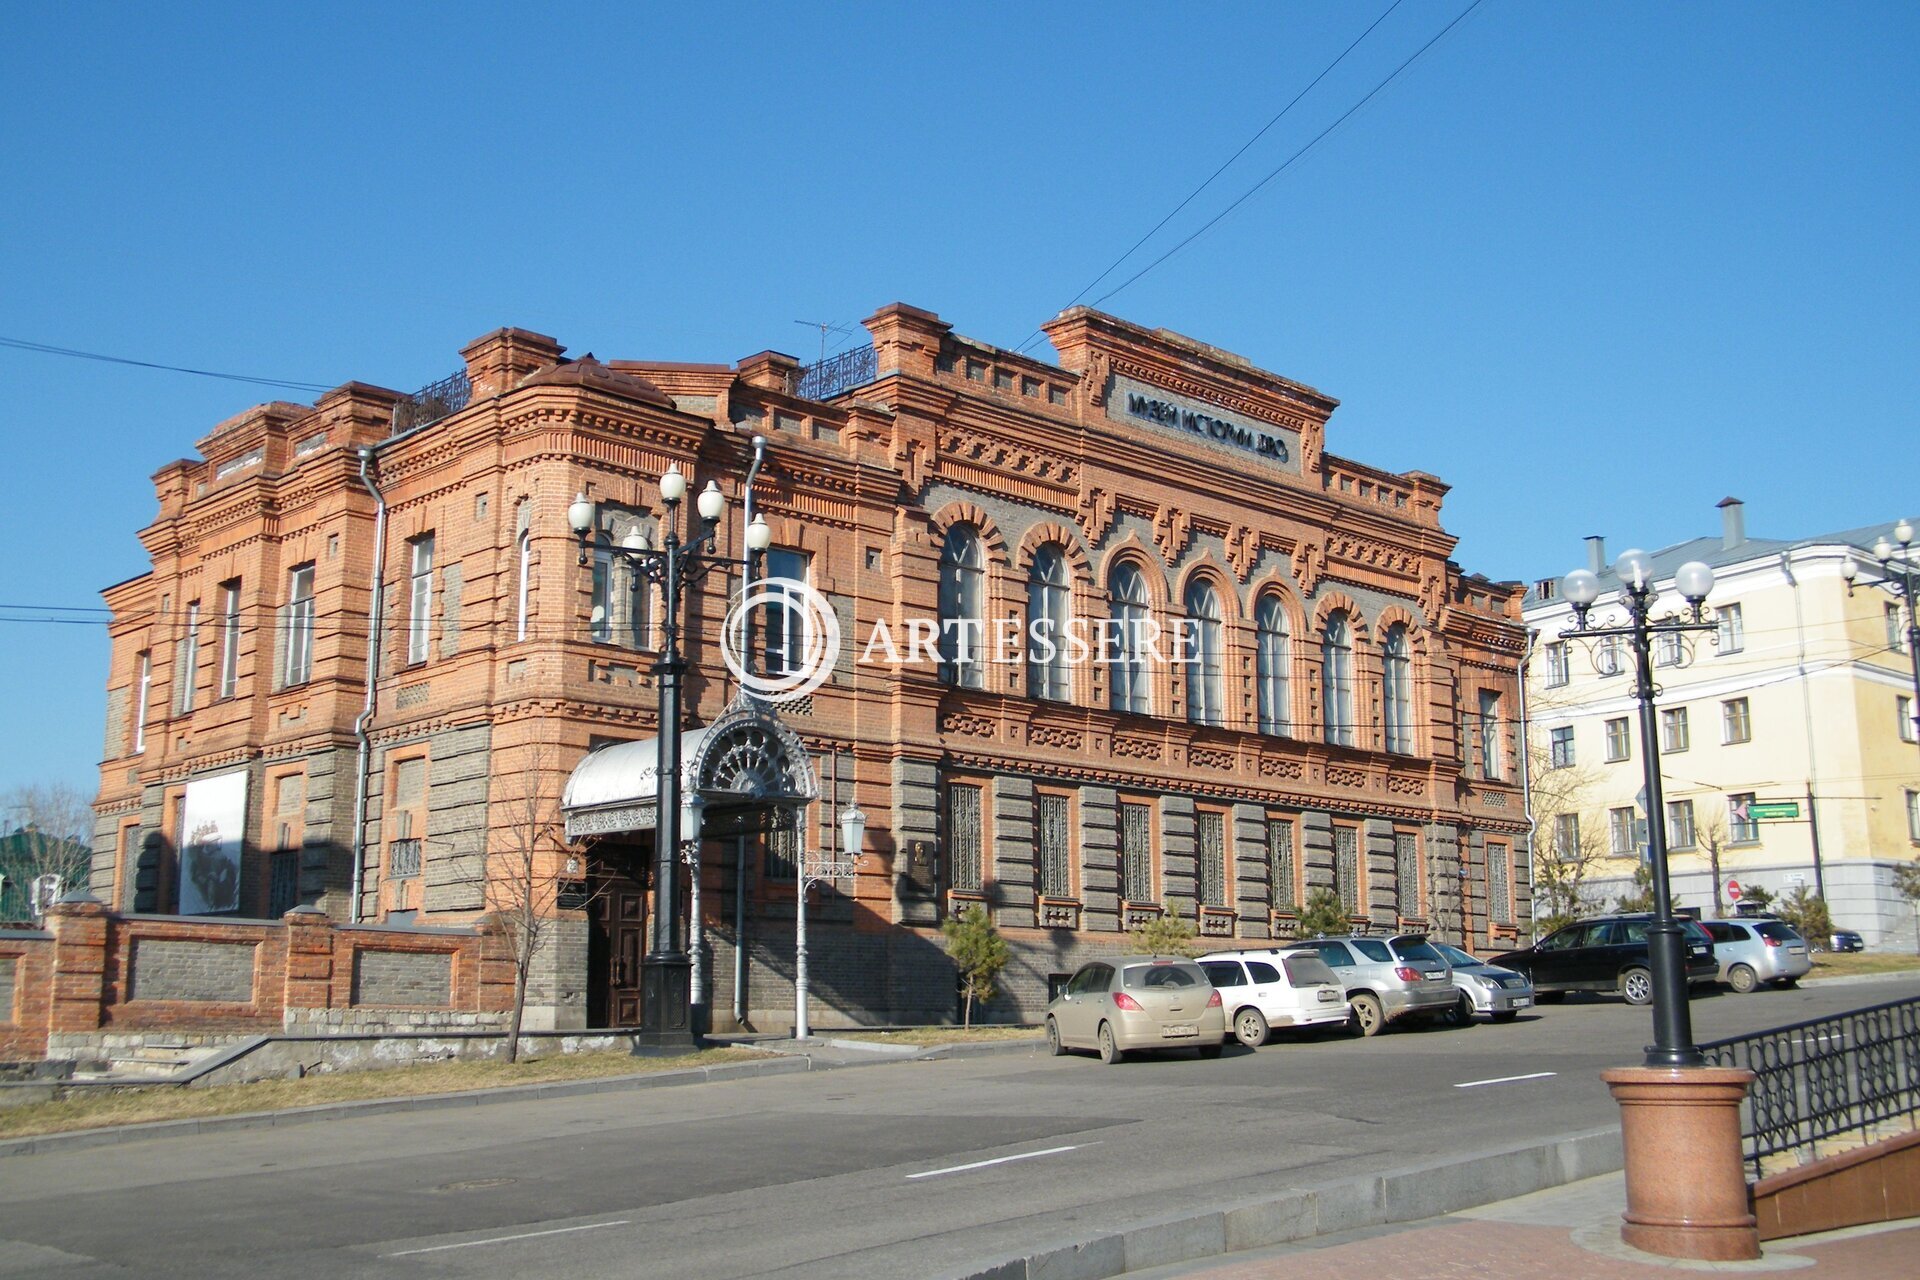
[
  {"x": 1848, "y": 940},
  {"x": 1607, "y": 953}
]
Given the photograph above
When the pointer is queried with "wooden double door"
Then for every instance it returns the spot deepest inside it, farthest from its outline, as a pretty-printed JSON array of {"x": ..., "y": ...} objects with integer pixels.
[{"x": 617, "y": 936}]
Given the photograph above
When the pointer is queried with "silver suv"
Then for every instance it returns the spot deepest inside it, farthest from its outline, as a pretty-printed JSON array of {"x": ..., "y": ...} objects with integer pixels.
[
  {"x": 1388, "y": 979},
  {"x": 1751, "y": 952}
]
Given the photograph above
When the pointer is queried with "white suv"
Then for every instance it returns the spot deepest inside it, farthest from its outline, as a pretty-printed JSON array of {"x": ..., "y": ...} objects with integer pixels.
[{"x": 1275, "y": 987}]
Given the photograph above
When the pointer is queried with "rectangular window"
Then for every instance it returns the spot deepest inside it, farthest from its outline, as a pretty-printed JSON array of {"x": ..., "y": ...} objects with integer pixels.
[
  {"x": 1903, "y": 716},
  {"x": 142, "y": 691},
  {"x": 1736, "y": 721},
  {"x": 1896, "y": 631},
  {"x": 1680, "y": 824},
  {"x": 1557, "y": 671},
  {"x": 1673, "y": 729},
  {"x": 420, "y": 598},
  {"x": 1210, "y": 830},
  {"x": 1406, "y": 872},
  {"x": 1346, "y": 868},
  {"x": 1913, "y": 816},
  {"x": 229, "y": 638},
  {"x": 1619, "y": 741},
  {"x": 782, "y": 625},
  {"x": 1606, "y": 656},
  {"x": 1282, "y": 876},
  {"x": 1136, "y": 853},
  {"x": 1492, "y": 766},
  {"x": 1566, "y": 836},
  {"x": 283, "y": 882},
  {"x": 299, "y": 664},
  {"x": 1560, "y": 747},
  {"x": 1499, "y": 880},
  {"x": 600, "y": 605},
  {"x": 1732, "y": 633},
  {"x": 405, "y": 831},
  {"x": 1053, "y": 845},
  {"x": 1622, "y": 838},
  {"x": 1741, "y": 829},
  {"x": 186, "y": 668},
  {"x": 1667, "y": 651},
  {"x": 287, "y": 825},
  {"x": 963, "y": 837}
]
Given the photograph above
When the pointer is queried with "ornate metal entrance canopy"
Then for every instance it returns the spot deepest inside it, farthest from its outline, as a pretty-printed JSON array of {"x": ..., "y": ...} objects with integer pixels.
[{"x": 749, "y": 767}]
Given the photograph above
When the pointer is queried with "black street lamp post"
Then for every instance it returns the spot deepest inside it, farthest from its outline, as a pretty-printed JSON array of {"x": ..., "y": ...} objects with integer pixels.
[
  {"x": 668, "y": 1019},
  {"x": 1673, "y": 1044},
  {"x": 1901, "y": 577}
]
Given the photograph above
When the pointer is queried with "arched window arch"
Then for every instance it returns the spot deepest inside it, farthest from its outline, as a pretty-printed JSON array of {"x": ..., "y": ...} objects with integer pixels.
[
  {"x": 1203, "y": 658},
  {"x": 963, "y": 596},
  {"x": 1336, "y": 662},
  {"x": 1127, "y": 639},
  {"x": 1396, "y": 690},
  {"x": 1048, "y": 675},
  {"x": 1270, "y": 665}
]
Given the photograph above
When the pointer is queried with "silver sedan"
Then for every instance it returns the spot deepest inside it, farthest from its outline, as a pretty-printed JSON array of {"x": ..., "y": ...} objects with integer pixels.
[{"x": 1486, "y": 988}]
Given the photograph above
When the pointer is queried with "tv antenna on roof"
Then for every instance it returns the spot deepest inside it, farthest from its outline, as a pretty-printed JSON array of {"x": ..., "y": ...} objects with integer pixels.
[{"x": 825, "y": 327}]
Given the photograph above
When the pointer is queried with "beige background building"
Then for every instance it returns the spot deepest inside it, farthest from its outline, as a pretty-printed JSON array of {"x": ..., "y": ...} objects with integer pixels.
[{"x": 1803, "y": 695}]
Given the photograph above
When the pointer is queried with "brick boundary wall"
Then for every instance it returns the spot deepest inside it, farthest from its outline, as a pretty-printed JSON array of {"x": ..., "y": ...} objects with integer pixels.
[{"x": 79, "y": 976}]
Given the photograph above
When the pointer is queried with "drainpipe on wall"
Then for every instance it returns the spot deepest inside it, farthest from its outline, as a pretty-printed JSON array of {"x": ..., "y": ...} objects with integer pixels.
[
  {"x": 740, "y": 843},
  {"x": 1806, "y": 712},
  {"x": 365, "y": 718}
]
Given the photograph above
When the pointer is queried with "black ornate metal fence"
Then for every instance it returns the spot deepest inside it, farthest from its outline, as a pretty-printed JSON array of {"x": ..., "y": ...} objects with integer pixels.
[
  {"x": 835, "y": 374},
  {"x": 432, "y": 402},
  {"x": 1817, "y": 1081}
]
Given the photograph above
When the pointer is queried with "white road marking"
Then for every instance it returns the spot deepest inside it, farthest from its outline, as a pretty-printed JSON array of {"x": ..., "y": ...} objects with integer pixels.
[
  {"x": 1475, "y": 1084},
  {"x": 524, "y": 1235},
  {"x": 981, "y": 1164}
]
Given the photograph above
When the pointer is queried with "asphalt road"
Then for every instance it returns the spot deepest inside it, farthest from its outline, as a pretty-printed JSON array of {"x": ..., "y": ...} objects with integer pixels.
[{"x": 832, "y": 1174}]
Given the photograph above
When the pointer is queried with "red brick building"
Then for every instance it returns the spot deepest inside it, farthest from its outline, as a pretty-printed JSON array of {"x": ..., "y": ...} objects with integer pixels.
[{"x": 368, "y": 648}]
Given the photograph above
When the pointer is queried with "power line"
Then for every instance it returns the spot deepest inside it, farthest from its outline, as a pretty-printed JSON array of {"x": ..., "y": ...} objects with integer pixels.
[
  {"x": 1224, "y": 166},
  {"x": 1290, "y": 160},
  {"x": 21, "y": 344}
]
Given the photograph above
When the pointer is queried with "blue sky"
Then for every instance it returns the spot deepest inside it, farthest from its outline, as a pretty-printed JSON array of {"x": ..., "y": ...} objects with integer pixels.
[{"x": 1595, "y": 265}]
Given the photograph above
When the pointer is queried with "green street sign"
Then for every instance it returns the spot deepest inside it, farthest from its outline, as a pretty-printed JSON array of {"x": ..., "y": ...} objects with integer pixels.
[{"x": 1776, "y": 809}]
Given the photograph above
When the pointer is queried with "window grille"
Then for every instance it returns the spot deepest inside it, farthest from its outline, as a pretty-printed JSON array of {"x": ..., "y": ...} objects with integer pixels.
[
  {"x": 1136, "y": 853},
  {"x": 1280, "y": 862},
  {"x": 1346, "y": 868},
  {"x": 283, "y": 891},
  {"x": 403, "y": 859},
  {"x": 783, "y": 854},
  {"x": 1499, "y": 897},
  {"x": 963, "y": 837},
  {"x": 1406, "y": 868},
  {"x": 1211, "y": 829},
  {"x": 1056, "y": 873}
]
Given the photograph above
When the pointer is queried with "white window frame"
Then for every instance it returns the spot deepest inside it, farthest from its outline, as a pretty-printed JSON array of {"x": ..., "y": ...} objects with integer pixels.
[
  {"x": 1558, "y": 737},
  {"x": 1903, "y": 716},
  {"x": 1732, "y": 628},
  {"x": 963, "y": 600},
  {"x": 1624, "y": 739},
  {"x": 419, "y": 598},
  {"x": 1558, "y": 671},
  {"x": 188, "y": 672},
  {"x": 1272, "y": 657},
  {"x": 298, "y": 668},
  {"x": 1620, "y": 823},
  {"x": 143, "y": 692},
  {"x": 1396, "y": 695},
  {"x": 1566, "y": 836},
  {"x": 1206, "y": 694},
  {"x": 525, "y": 542},
  {"x": 1676, "y": 735},
  {"x": 1336, "y": 657},
  {"x": 1913, "y": 815},
  {"x": 1736, "y": 714},
  {"x": 1682, "y": 833},
  {"x": 1741, "y": 830},
  {"x": 230, "y": 639},
  {"x": 1493, "y": 764},
  {"x": 1049, "y": 612}
]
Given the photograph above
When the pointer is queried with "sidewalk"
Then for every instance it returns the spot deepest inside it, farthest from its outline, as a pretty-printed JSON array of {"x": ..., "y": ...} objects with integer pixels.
[{"x": 1571, "y": 1231}]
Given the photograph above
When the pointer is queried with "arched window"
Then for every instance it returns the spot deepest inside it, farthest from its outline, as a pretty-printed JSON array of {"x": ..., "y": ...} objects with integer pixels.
[
  {"x": 1270, "y": 665},
  {"x": 1336, "y": 661},
  {"x": 1048, "y": 675},
  {"x": 1203, "y": 654},
  {"x": 1127, "y": 640},
  {"x": 963, "y": 580},
  {"x": 1396, "y": 691},
  {"x": 526, "y": 573}
]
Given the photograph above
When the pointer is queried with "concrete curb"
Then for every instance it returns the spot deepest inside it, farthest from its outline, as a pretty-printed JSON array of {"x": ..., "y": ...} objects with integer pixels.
[
  {"x": 1853, "y": 979},
  {"x": 1400, "y": 1195},
  {"x": 111, "y": 1135}
]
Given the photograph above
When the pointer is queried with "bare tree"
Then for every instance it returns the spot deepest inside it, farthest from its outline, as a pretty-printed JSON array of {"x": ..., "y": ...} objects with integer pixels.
[
  {"x": 52, "y": 827},
  {"x": 1561, "y": 868},
  {"x": 525, "y": 868},
  {"x": 1713, "y": 839}
]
